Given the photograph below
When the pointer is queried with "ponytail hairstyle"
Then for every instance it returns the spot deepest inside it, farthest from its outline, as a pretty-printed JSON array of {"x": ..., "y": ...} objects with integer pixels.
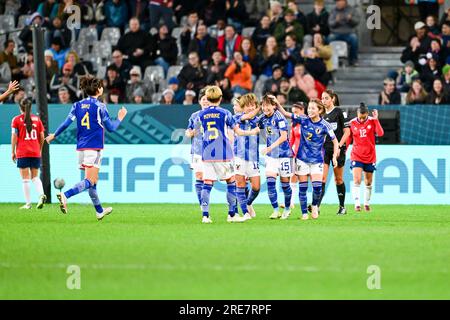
[
  {"x": 334, "y": 97},
  {"x": 25, "y": 107},
  {"x": 90, "y": 85}
]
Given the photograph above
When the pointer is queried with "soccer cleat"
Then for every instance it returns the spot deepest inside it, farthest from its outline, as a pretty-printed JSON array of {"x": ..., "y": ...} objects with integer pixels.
[
  {"x": 275, "y": 215},
  {"x": 27, "y": 206},
  {"x": 358, "y": 208},
  {"x": 309, "y": 208},
  {"x": 62, "y": 202},
  {"x": 304, "y": 216},
  {"x": 342, "y": 211},
  {"x": 314, "y": 212},
  {"x": 206, "y": 220},
  {"x": 41, "y": 201},
  {"x": 251, "y": 211},
  {"x": 247, "y": 216},
  {"x": 286, "y": 214},
  {"x": 235, "y": 218},
  {"x": 367, "y": 208},
  {"x": 103, "y": 214}
]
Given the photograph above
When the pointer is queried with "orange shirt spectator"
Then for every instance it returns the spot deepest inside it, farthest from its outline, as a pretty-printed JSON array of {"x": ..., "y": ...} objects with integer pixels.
[{"x": 240, "y": 75}]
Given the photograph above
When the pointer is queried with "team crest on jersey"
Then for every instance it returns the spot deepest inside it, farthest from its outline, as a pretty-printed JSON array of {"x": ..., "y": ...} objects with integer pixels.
[
  {"x": 273, "y": 122},
  {"x": 318, "y": 130}
]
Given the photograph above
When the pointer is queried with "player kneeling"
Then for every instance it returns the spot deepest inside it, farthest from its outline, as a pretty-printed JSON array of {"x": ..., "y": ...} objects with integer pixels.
[{"x": 217, "y": 153}]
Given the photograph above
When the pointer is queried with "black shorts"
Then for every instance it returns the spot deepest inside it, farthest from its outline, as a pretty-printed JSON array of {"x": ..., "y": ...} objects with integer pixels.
[
  {"x": 34, "y": 163},
  {"x": 328, "y": 158}
]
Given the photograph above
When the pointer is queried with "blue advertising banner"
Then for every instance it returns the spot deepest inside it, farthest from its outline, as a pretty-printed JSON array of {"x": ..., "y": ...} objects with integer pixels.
[{"x": 161, "y": 174}]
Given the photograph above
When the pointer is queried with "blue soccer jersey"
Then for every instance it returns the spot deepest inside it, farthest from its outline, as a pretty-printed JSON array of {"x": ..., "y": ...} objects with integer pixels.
[
  {"x": 215, "y": 122},
  {"x": 312, "y": 135},
  {"x": 197, "y": 140},
  {"x": 92, "y": 117},
  {"x": 273, "y": 126},
  {"x": 246, "y": 147}
]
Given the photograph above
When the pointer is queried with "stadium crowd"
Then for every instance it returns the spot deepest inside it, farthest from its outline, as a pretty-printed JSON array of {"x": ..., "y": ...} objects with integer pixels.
[
  {"x": 425, "y": 76},
  {"x": 165, "y": 51}
]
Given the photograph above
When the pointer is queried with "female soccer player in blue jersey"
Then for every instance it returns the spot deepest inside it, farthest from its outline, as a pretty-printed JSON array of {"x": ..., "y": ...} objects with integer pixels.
[
  {"x": 309, "y": 160},
  {"x": 278, "y": 154},
  {"x": 92, "y": 117},
  {"x": 217, "y": 153},
  {"x": 194, "y": 131},
  {"x": 246, "y": 155}
]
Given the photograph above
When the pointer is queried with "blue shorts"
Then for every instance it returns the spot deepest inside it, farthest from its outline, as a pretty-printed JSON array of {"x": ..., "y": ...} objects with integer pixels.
[
  {"x": 367, "y": 167},
  {"x": 34, "y": 163}
]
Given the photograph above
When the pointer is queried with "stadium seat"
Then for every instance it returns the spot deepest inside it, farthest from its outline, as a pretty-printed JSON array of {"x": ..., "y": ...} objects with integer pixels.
[
  {"x": 176, "y": 32},
  {"x": 259, "y": 85},
  {"x": 27, "y": 85},
  {"x": 154, "y": 73},
  {"x": 156, "y": 97},
  {"x": 22, "y": 21},
  {"x": 248, "y": 32},
  {"x": 88, "y": 35},
  {"x": 111, "y": 34},
  {"x": 15, "y": 36},
  {"x": 81, "y": 48},
  {"x": 95, "y": 60},
  {"x": 5, "y": 73},
  {"x": 3, "y": 38},
  {"x": 101, "y": 72},
  {"x": 7, "y": 22},
  {"x": 173, "y": 71},
  {"x": 212, "y": 31},
  {"x": 102, "y": 49},
  {"x": 340, "y": 48}
]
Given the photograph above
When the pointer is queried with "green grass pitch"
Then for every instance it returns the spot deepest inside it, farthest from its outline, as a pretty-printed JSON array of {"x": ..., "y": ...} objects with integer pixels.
[{"x": 162, "y": 251}]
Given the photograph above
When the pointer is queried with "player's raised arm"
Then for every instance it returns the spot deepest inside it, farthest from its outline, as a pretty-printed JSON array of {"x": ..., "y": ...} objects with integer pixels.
[
  {"x": 240, "y": 132},
  {"x": 378, "y": 128},
  {"x": 252, "y": 114},
  {"x": 112, "y": 125},
  {"x": 280, "y": 107},
  {"x": 12, "y": 87},
  {"x": 63, "y": 126}
]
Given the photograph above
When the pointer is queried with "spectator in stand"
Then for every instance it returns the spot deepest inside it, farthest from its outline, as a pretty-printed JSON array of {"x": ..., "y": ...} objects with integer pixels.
[
  {"x": 113, "y": 96},
  {"x": 272, "y": 85},
  {"x": 64, "y": 9},
  {"x": 122, "y": 65},
  {"x": 407, "y": 76},
  {"x": 58, "y": 30},
  {"x": 51, "y": 66},
  {"x": 436, "y": 49},
  {"x": 137, "y": 45},
  {"x": 28, "y": 67},
  {"x": 239, "y": 73},
  {"x": 304, "y": 82},
  {"x": 389, "y": 94},
  {"x": 203, "y": 44},
  {"x": 227, "y": 93},
  {"x": 192, "y": 76},
  {"x": 325, "y": 52},
  {"x": 248, "y": 52},
  {"x": 48, "y": 10},
  {"x": 262, "y": 32},
  {"x": 182, "y": 8},
  {"x": 428, "y": 8},
  {"x": 282, "y": 98},
  {"x": 446, "y": 40},
  {"x": 430, "y": 72},
  {"x": 59, "y": 54},
  {"x": 236, "y": 13},
  {"x": 446, "y": 78},
  {"x": 437, "y": 94},
  {"x": 66, "y": 79},
  {"x": 342, "y": 21},
  {"x": 166, "y": 53},
  {"x": 26, "y": 35},
  {"x": 216, "y": 69},
  {"x": 229, "y": 43},
  {"x": 189, "y": 98},
  {"x": 116, "y": 13},
  {"x": 315, "y": 65},
  {"x": 290, "y": 55},
  {"x": 289, "y": 26},
  {"x": 17, "y": 96},
  {"x": 255, "y": 10},
  {"x": 8, "y": 56},
  {"x": 417, "y": 94},
  {"x": 178, "y": 92},
  {"x": 189, "y": 31},
  {"x": 167, "y": 97},
  {"x": 434, "y": 30},
  {"x": 138, "y": 96},
  {"x": 140, "y": 10},
  {"x": 81, "y": 68},
  {"x": 213, "y": 12},
  {"x": 293, "y": 94},
  {"x": 445, "y": 17},
  {"x": 161, "y": 8},
  {"x": 64, "y": 96},
  {"x": 114, "y": 84},
  {"x": 419, "y": 45},
  {"x": 317, "y": 22},
  {"x": 299, "y": 14},
  {"x": 275, "y": 13},
  {"x": 269, "y": 57},
  {"x": 136, "y": 82}
]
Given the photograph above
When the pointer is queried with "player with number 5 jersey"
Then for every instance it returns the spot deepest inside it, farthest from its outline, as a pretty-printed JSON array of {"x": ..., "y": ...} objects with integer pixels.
[{"x": 92, "y": 118}]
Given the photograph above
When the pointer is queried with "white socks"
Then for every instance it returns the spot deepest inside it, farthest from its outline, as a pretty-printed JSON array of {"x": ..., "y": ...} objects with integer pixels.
[
  {"x": 294, "y": 191},
  {"x": 26, "y": 190},
  {"x": 356, "y": 193},
  {"x": 38, "y": 185},
  {"x": 367, "y": 195}
]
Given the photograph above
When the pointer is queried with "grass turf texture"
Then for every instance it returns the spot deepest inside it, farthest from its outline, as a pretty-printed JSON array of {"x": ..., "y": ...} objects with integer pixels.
[{"x": 164, "y": 252}]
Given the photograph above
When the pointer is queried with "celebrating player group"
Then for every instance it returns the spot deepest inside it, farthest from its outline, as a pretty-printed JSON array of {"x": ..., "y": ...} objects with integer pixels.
[{"x": 226, "y": 147}]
